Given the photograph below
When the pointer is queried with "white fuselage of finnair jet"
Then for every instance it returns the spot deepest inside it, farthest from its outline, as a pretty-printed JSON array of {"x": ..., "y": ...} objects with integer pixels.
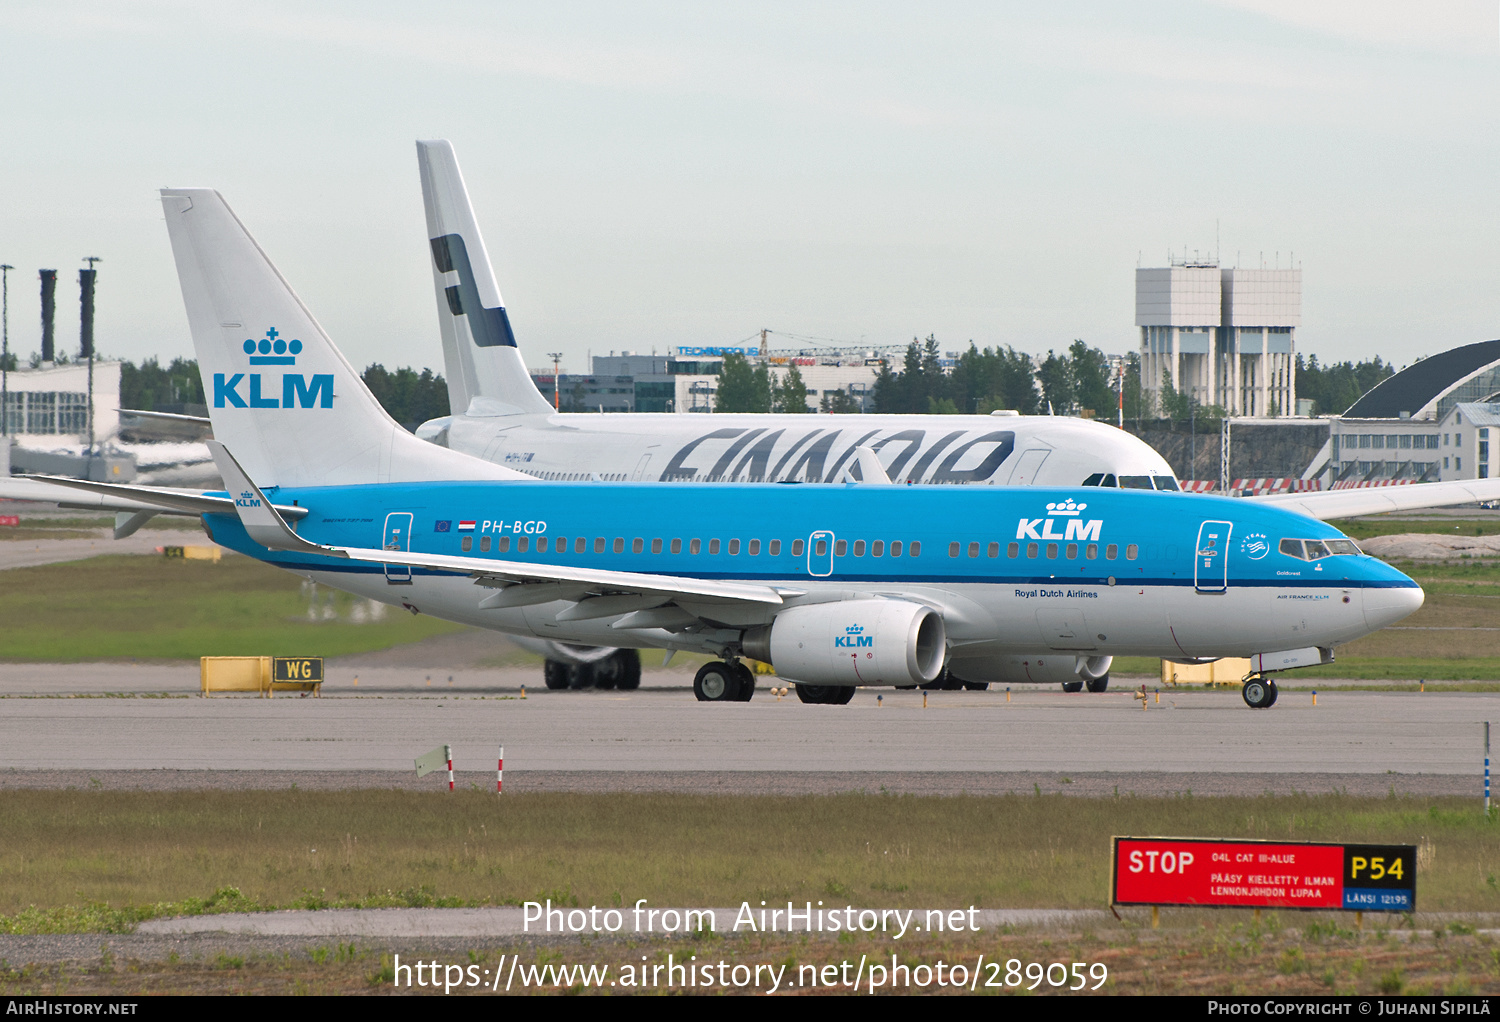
[{"x": 936, "y": 449}]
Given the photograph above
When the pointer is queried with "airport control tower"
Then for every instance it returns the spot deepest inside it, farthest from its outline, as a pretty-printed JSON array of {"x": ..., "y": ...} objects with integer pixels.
[{"x": 1225, "y": 336}]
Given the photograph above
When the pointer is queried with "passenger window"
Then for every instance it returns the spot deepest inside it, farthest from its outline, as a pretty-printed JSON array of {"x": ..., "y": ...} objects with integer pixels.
[
  {"x": 484, "y": 544},
  {"x": 1072, "y": 551},
  {"x": 656, "y": 546},
  {"x": 619, "y": 545},
  {"x": 677, "y": 546},
  {"x": 1112, "y": 551},
  {"x": 973, "y": 549},
  {"x": 541, "y": 544},
  {"x": 877, "y": 548},
  {"x": 952, "y": 549},
  {"x": 895, "y": 548},
  {"x": 1051, "y": 551},
  {"x": 1132, "y": 552},
  {"x": 859, "y": 548},
  {"x": 1031, "y": 549},
  {"x": 466, "y": 544},
  {"x": 637, "y": 545},
  {"x": 734, "y": 547},
  {"x": 797, "y": 547},
  {"x": 821, "y": 548},
  {"x": 1091, "y": 551},
  {"x": 522, "y": 544},
  {"x": 754, "y": 547},
  {"x": 504, "y": 544},
  {"x": 560, "y": 544},
  {"x": 915, "y": 550},
  {"x": 775, "y": 548},
  {"x": 994, "y": 550},
  {"x": 1013, "y": 550},
  {"x": 598, "y": 545},
  {"x": 580, "y": 545},
  {"x": 713, "y": 546},
  {"x": 695, "y": 546},
  {"x": 1292, "y": 548},
  {"x": 839, "y": 547}
]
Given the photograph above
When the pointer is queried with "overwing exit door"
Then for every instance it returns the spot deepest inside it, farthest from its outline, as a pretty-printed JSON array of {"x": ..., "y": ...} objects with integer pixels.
[
  {"x": 1211, "y": 558},
  {"x": 820, "y": 554},
  {"x": 397, "y": 537}
]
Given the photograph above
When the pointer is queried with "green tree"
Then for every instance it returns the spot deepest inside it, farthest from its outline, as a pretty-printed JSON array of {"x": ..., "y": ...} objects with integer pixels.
[
  {"x": 409, "y": 397},
  {"x": 1090, "y": 371},
  {"x": 840, "y": 402},
  {"x": 1138, "y": 403},
  {"x": 1334, "y": 388},
  {"x": 791, "y": 393},
  {"x": 1056, "y": 376},
  {"x": 743, "y": 387},
  {"x": 149, "y": 387}
]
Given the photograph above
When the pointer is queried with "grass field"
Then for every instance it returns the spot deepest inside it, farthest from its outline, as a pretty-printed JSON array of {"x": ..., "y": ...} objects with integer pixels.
[
  {"x": 1366, "y": 528},
  {"x": 99, "y": 861},
  {"x": 152, "y": 608}
]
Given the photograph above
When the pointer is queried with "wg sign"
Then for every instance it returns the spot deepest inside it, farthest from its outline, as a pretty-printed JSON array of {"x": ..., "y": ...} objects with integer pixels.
[{"x": 1263, "y": 874}]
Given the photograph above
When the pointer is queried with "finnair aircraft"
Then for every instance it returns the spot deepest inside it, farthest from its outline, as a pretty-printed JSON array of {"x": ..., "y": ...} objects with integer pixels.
[
  {"x": 501, "y": 417},
  {"x": 836, "y": 586}
]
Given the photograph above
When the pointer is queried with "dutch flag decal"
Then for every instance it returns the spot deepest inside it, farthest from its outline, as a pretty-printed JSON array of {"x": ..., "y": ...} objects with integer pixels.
[{"x": 465, "y": 526}]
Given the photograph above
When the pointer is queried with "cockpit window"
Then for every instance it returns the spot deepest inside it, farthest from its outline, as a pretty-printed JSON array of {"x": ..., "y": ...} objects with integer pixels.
[
  {"x": 1317, "y": 549},
  {"x": 1094, "y": 480},
  {"x": 1165, "y": 483},
  {"x": 1136, "y": 483}
]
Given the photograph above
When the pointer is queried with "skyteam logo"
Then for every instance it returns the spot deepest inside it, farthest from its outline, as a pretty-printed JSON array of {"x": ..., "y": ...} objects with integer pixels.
[
  {"x": 853, "y": 638},
  {"x": 1076, "y": 530},
  {"x": 296, "y": 390}
]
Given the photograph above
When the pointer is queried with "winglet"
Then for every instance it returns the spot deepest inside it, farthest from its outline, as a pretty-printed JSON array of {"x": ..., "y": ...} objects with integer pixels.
[
  {"x": 866, "y": 468},
  {"x": 261, "y": 520}
]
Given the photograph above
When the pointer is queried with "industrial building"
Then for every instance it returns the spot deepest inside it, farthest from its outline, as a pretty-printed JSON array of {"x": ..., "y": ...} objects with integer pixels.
[
  {"x": 686, "y": 380},
  {"x": 1224, "y": 336}
]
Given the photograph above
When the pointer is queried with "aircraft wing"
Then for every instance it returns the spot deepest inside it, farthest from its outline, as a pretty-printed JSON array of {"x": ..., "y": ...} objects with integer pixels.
[
  {"x": 1328, "y": 504},
  {"x": 83, "y": 493}
]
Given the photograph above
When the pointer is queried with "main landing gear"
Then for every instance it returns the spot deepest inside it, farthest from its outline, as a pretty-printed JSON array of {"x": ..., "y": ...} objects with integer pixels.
[
  {"x": 620, "y": 670},
  {"x": 829, "y": 695},
  {"x": 722, "y": 681},
  {"x": 1259, "y": 692}
]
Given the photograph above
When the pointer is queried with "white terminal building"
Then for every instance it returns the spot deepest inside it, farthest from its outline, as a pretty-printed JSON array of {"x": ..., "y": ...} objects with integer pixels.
[{"x": 1226, "y": 336}]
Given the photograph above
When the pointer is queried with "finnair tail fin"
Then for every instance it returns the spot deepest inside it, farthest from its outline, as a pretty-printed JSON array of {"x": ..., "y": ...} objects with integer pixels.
[
  {"x": 486, "y": 374},
  {"x": 281, "y": 396}
]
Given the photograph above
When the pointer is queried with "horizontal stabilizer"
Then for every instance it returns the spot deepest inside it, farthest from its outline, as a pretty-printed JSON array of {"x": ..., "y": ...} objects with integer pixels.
[
  {"x": 261, "y": 520},
  {"x": 121, "y": 496}
]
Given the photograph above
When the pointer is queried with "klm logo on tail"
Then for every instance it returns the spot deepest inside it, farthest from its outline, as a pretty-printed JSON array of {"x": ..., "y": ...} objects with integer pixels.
[{"x": 297, "y": 390}]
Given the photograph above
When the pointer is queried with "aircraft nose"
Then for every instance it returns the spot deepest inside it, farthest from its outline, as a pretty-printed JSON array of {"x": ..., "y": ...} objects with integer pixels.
[{"x": 1386, "y": 606}]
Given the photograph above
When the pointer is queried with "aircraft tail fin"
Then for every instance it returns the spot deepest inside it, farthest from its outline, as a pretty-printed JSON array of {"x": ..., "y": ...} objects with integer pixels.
[
  {"x": 486, "y": 374},
  {"x": 280, "y": 394}
]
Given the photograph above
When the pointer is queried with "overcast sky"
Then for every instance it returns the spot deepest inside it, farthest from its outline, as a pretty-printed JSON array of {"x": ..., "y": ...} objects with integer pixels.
[{"x": 648, "y": 175}]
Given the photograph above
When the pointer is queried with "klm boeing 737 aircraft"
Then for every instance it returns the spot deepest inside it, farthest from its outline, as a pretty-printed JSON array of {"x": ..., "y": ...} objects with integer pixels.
[
  {"x": 835, "y": 586},
  {"x": 498, "y": 415}
]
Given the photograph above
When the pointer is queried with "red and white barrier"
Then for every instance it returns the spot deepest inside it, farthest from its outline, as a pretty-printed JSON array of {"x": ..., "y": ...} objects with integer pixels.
[
  {"x": 448, "y": 755},
  {"x": 500, "y": 771},
  {"x": 1360, "y": 484}
]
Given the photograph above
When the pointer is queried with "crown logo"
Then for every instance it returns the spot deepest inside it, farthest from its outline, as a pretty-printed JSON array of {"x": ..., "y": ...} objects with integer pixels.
[
  {"x": 854, "y": 630},
  {"x": 272, "y": 350},
  {"x": 1065, "y": 507}
]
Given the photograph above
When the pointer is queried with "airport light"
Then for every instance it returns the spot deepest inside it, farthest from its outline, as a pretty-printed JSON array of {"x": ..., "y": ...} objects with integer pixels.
[
  {"x": 86, "y": 332},
  {"x": 5, "y": 269},
  {"x": 556, "y": 357}
]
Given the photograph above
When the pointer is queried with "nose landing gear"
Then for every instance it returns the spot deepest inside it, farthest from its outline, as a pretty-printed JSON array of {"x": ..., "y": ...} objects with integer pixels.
[{"x": 1259, "y": 692}]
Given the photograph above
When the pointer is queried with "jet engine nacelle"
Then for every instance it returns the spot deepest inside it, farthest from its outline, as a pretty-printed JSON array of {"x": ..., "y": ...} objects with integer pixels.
[{"x": 853, "y": 642}]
